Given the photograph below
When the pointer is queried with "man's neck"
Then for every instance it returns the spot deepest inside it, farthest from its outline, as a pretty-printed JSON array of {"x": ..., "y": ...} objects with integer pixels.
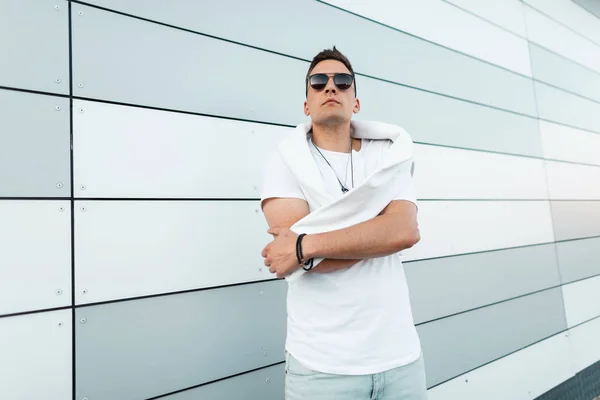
[{"x": 333, "y": 138}]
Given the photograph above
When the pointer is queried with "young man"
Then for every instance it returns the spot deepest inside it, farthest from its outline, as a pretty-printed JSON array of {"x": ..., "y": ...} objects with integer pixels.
[{"x": 350, "y": 330}]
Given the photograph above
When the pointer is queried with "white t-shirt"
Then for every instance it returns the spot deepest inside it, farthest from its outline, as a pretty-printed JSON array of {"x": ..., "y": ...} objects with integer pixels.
[{"x": 357, "y": 320}]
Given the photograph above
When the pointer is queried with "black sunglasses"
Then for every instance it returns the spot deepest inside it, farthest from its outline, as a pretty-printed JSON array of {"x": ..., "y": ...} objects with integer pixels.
[{"x": 342, "y": 81}]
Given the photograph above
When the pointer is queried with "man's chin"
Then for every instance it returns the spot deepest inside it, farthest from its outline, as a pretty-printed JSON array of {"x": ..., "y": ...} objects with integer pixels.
[{"x": 332, "y": 121}]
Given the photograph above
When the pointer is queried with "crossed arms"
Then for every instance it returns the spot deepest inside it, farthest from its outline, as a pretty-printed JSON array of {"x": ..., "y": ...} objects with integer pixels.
[{"x": 393, "y": 230}]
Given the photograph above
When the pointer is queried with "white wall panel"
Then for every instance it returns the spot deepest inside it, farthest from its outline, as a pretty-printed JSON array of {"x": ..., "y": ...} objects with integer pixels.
[
  {"x": 571, "y": 15},
  {"x": 447, "y": 173},
  {"x": 585, "y": 344},
  {"x": 133, "y": 248},
  {"x": 573, "y": 182},
  {"x": 35, "y": 356},
  {"x": 35, "y": 255},
  {"x": 506, "y": 13},
  {"x": 582, "y": 300},
  {"x": 523, "y": 375},
  {"x": 456, "y": 227},
  {"x": 561, "y": 142},
  {"x": 442, "y": 23},
  {"x": 554, "y": 36},
  {"x": 122, "y": 151}
]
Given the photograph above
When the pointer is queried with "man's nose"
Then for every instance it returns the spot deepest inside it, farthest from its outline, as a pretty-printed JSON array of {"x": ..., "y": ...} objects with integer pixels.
[{"x": 330, "y": 85}]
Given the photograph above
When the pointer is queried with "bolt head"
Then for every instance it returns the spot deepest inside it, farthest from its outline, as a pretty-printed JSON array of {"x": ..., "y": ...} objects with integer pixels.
[
  {"x": 83, "y": 320},
  {"x": 267, "y": 380},
  {"x": 261, "y": 292},
  {"x": 82, "y": 208},
  {"x": 79, "y": 13},
  {"x": 81, "y": 110},
  {"x": 82, "y": 187},
  {"x": 80, "y": 85},
  {"x": 58, "y": 292},
  {"x": 57, "y": 80},
  {"x": 57, "y": 108}
]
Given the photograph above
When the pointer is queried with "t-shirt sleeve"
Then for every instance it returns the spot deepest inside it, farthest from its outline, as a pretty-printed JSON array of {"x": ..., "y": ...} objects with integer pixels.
[
  {"x": 407, "y": 189},
  {"x": 278, "y": 181}
]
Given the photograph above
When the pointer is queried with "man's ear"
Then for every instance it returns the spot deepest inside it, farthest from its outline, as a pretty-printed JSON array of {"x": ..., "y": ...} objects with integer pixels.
[
  {"x": 356, "y": 108},
  {"x": 306, "y": 111}
]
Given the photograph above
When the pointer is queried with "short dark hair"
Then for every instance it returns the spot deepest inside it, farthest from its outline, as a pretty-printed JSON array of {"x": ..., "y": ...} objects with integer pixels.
[{"x": 329, "y": 54}]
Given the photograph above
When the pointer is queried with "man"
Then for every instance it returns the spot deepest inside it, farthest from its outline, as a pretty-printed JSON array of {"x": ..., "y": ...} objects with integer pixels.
[{"x": 350, "y": 332}]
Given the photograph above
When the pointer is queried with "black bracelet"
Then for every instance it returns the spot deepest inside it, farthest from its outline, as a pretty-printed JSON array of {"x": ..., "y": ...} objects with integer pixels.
[{"x": 299, "y": 247}]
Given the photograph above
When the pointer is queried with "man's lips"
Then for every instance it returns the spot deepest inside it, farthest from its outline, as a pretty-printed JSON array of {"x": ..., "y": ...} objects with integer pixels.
[{"x": 332, "y": 101}]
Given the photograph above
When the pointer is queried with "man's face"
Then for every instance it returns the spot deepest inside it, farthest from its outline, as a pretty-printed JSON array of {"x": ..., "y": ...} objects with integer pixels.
[{"x": 330, "y": 106}]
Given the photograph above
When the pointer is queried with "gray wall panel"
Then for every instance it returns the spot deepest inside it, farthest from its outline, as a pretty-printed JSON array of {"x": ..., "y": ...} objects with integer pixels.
[
  {"x": 34, "y": 44},
  {"x": 210, "y": 80},
  {"x": 454, "y": 345},
  {"x": 444, "y": 286},
  {"x": 559, "y": 106},
  {"x": 303, "y": 28},
  {"x": 559, "y": 71},
  {"x": 144, "y": 348},
  {"x": 264, "y": 384},
  {"x": 575, "y": 219},
  {"x": 437, "y": 119},
  {"x": 592, "y": 6},
  {"x": 34, "y": 145},
  {"x": 578, "y": 259},
  {"x": 128, "y": 60}
]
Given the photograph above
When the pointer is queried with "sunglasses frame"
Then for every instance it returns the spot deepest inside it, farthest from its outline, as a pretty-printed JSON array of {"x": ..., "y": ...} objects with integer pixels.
[{"x": 332, "y": 76}]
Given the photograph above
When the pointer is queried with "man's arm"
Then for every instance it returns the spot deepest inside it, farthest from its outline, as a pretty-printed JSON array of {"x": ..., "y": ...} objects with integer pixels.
[
  {"x": 285, "y": 212},
  {"x": 393, "y": 230}
]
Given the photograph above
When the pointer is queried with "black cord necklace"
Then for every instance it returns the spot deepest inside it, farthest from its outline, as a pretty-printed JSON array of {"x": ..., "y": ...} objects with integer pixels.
[{"x": 342, "y": 186}]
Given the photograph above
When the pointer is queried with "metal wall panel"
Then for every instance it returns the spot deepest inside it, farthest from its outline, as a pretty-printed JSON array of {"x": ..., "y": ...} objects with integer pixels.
[
  {"x": 264, "y": 384},
  {"x": 568, "y": 13},
  {"x": 448, "y": 26},
  {"x": 447, "y": 173},
  {"x": 525, "y": 374},
  {"x": 559, "y": 106},
  {"x": 590, "y": 6},
  {"x": 182, "y": 155},
  {"x": 578, "y": 259},
  {"x": 575, "y": 219},
  {"x": 144, "y": 348},
  {"x": 585, "y": 344},
  {"x": 564, "y": 73},
  {"x": 458, "y": 227},
  {"x": 34, "y": 145},
  {"x": 34, "y": 43},
  {"x": 560, "y": 39},
  {"x": 134, "y": 248},
  {"x": 35, "y": 255},
  {"x": 571, "y": 181},
  {"x": 303, "y": 28},
  {"x": 582, "y": 300},
  {"x": 455, "y": 345},
  {"x": 507, "y": 14},
  {"x": 564, "y": 143},
  {"x": 445, "y": 286},
  {"x": 36, "y": 356}
]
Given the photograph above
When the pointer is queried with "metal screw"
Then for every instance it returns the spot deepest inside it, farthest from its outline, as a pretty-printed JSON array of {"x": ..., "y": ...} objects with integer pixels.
[
  {"x": 61, "y": 209},
  {"x": 82, "y": 187},
  {"x": 256, "y": 211},
  {"x": 81, "y": 110},
  {"x": 57, "y": 8},
  {"x": 260, "y": 270},
  {"x": 57, "y": 108},
  {"x": 85, "y": 398},
  {"x": 59, "y": 185},
  {"x": 467, "y": 380},
  {"x": 82, "y": 208},
  {"x": 266, "y": 353},
  {"x": 57, "y": 80},
  {"x": 80, "y": 85},
  {"x": 79, "y": 13},
  {"x": 267, "y": 380},
  {"x": 58, "y": 292},
  {"x": 84, "y": 291},
  {"x": 59, "y": 324},
  {"x": 261, "y": 292},
  {"x": 254, "y": 187},
  {"x": 83, "y": 320}
]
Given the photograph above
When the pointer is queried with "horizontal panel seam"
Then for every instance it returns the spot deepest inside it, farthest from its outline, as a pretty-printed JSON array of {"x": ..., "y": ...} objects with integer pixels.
[
  {"x": 39, "y": 311},
  {"x": 566, "y": 283},
  {"x": 562, "y": 89},
  {"x": 581, "y": 35},
  {"x": 30, "y": 91},
  {"x": 490, "y": 304},
  {"x": 564, "y": 57},
  {"x": 562, "y": 331},
  {"x": 308, "y": 61},
  {"x": 427, "y": 40},
  {"x": 216, "y": 380}
]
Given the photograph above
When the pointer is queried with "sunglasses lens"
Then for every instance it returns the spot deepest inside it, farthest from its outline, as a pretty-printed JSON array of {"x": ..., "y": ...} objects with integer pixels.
[
  {"x": 318, "y": 81},
  {"x": 343, "y": 81}
]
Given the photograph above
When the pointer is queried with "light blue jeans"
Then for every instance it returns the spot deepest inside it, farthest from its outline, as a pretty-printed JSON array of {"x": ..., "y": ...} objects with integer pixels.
[{"x": 402, "y": 383}]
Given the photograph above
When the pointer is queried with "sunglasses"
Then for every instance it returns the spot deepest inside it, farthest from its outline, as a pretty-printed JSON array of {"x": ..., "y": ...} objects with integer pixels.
[{"x": 342, "y": 81}]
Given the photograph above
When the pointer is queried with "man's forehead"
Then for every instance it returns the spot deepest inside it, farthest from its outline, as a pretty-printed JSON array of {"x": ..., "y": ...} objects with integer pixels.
[{"x": 330, "y": 66}]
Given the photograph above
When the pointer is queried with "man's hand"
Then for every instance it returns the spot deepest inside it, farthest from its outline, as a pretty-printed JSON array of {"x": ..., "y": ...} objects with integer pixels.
[{"x": 280, "y": 254}]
